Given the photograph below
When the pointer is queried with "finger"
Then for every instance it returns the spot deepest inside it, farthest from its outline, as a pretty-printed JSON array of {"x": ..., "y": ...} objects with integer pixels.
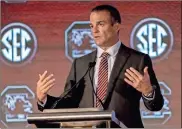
[
  {"x": 47, "y": 79},
  {"x": 136, "y": 73},
  {"x": 48, "y": 83},
  {"x": 43, "y": 75},
  {"x": 132, "y": 74},
  {"x": 48, "y": 88},
  {"x": 44, "y": 87},
  {"x": 39, "y": 79},
  {"x": 130, "y": 77},
  {"x": 146, "y": 70},
  {"x": 128, "y": 81}
]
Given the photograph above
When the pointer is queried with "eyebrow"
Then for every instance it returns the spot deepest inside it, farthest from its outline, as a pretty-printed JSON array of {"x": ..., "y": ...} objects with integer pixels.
[{"x": 98, "y": 22}]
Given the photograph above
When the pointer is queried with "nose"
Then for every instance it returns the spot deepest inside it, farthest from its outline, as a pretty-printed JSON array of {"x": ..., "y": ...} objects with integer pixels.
[{"x": 95, "y": 29}]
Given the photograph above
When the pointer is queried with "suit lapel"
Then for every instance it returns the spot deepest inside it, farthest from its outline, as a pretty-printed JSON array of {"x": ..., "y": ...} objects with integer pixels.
[
  {"x": 120, "y": 61},
  {"x": 89, "y": 92}
]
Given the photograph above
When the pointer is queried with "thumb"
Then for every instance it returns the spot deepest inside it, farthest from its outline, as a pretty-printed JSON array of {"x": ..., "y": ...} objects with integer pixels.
[
  {"x": 39, "y": 76},
  {"x": 146, "y": 70}
]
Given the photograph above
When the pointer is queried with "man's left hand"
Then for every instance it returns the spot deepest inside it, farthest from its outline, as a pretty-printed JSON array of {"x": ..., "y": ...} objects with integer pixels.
[{"x": 138, "y": 81}]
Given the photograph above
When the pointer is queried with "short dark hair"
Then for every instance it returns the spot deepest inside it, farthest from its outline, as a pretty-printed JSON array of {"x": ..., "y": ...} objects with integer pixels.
[{"x": 115, "y": 15}]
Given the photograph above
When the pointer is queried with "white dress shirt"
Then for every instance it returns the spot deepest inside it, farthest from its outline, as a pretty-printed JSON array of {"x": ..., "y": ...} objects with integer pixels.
[{"x": 113, "y": 50}]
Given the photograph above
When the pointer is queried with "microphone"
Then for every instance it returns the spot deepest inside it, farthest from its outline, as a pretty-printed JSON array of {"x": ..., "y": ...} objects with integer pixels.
[
  {"x": 100, "y": 101},
  {"x": 90, "y": 65}
]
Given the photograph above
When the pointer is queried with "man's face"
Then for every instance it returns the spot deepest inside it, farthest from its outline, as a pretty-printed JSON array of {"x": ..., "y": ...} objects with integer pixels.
[{"x": 104, "y": 33}]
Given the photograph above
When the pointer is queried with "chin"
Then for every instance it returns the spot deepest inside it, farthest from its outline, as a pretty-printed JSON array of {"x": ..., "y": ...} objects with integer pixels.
[{"x": 99, "y": 43}]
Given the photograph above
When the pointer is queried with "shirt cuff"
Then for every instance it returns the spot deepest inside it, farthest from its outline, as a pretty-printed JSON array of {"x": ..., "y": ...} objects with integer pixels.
[
  {"x": 150, "y": 96},
  {"x": 42, "y": 103}
]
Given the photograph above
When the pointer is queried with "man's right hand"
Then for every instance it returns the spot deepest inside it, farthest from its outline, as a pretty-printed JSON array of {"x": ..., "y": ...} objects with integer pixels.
[{"x": 44, "y": 84}]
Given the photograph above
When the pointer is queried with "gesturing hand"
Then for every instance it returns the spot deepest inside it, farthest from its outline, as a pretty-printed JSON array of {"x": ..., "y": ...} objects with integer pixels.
[
  {"x": 44, "y": 84},
  {"x": 138, "y": 81}
]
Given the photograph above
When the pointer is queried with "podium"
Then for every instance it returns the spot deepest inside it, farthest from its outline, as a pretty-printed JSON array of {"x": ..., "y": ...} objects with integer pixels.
[{"x": 72, "y": 118}]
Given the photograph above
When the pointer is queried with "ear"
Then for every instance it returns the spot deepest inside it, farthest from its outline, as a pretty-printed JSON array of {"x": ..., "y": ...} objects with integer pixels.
[{"x": 117, "y": 26}]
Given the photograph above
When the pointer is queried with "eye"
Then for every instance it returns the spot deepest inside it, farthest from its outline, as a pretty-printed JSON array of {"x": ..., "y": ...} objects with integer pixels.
[
  {"x": 91, "y": 26},
  {"x": 101, "y": 24}
]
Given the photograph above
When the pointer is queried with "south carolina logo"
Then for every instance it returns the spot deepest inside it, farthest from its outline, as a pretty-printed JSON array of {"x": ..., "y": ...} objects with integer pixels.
[
  {"x": 78, "y": 40},
  {"x": 158, "y": 117},
  {"x": 16, "y": 104}
]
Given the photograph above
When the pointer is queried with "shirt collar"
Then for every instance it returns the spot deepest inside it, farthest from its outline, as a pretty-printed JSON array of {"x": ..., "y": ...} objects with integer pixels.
[{"x": 113, "y": 50}]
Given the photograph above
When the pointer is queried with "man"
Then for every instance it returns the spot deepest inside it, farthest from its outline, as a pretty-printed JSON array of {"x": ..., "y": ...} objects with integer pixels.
[{"x": 120, "y": 77}]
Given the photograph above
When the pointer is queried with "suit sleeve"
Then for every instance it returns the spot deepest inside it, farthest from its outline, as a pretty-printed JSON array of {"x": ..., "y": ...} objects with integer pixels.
[
  {"x": 155, "y": 104},
  {"x": 70, "y": 100}
]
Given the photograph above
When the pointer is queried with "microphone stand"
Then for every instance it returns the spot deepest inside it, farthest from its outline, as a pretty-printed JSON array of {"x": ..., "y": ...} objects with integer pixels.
[{"x": 91, "y": 64}]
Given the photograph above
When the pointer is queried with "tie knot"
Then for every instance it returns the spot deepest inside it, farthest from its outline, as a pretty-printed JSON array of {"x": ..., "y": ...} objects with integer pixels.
[{"x": 105, "y": 55}]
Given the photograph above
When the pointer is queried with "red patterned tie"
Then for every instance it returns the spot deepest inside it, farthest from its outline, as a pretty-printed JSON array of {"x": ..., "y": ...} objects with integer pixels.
[{"x": 102, "y": 78}]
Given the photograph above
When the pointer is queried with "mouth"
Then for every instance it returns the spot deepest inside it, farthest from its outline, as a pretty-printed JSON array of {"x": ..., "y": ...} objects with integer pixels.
[{"x": 96, "y": 37}]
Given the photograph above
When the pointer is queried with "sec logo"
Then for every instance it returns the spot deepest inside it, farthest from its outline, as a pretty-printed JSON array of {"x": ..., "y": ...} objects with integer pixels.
[
  {"x": 18, "y": 44},
  {"x": 152, "y": 36}
]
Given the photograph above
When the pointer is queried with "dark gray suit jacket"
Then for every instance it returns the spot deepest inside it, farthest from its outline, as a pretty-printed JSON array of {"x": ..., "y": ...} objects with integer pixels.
[{"x": 121, "y": 97}]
